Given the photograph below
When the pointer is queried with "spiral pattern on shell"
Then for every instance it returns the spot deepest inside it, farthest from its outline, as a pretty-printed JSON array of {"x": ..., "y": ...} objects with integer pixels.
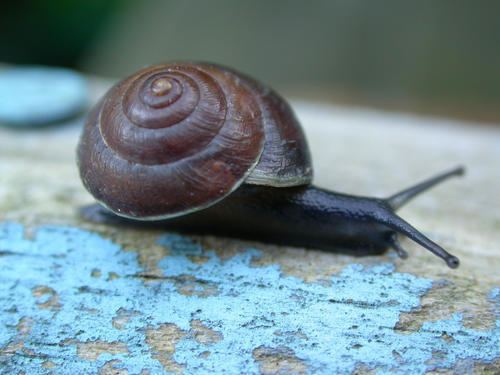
[
  {"x": 175, "y": 138},
  {"x": 170, "y": 139}
]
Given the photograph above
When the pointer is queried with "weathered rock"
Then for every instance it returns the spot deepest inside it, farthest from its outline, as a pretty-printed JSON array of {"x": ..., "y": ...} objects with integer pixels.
[{"x": 83, "y": 298}]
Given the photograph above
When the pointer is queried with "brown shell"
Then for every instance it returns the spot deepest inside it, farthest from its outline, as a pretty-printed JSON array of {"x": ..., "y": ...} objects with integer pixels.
[
  {"x": 173, "y": 139},
  {"x": 286, "y": 160}
]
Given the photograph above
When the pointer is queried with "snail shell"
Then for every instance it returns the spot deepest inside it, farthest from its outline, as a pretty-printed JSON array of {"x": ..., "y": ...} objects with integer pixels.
[{"x": 176, "y": 138}]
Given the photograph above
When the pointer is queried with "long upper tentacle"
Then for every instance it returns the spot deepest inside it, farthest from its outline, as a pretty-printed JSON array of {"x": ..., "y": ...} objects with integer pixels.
[{"x": 399, "y": 199}]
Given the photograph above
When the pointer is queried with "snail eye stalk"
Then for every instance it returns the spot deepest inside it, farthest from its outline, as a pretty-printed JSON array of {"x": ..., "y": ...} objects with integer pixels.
[{"x": 401, "y": 198}]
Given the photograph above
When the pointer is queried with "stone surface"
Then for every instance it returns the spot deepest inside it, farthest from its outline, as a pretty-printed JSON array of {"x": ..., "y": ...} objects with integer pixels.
[
  {"x": 84, "y": 298},
  {"x": 37, "y": 96}
]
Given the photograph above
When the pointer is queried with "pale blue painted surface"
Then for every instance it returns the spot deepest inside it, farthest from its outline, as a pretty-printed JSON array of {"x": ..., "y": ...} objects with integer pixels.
[
  {"x": 252, "y": 304},
  {"x": 37, "y": 96}
]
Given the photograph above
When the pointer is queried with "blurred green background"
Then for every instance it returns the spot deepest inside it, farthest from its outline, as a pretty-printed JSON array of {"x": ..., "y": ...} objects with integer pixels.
[{"x": 438, "y": 57}]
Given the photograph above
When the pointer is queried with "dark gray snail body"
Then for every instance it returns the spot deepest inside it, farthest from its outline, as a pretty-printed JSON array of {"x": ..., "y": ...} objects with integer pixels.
[{"x": 205, "y": 149}]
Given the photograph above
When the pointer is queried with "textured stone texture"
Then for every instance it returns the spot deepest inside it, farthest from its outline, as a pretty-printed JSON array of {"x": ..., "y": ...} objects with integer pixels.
[{"x": 82, "y": 298}]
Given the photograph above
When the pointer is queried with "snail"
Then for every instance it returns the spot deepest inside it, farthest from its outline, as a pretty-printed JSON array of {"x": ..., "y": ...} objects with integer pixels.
[{"x": 205, "y": 149}]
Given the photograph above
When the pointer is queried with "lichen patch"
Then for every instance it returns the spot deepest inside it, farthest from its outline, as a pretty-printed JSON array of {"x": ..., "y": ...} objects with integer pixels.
[
  {"x": 47, "y": 298},
  {"x": 280, "y": 360},
  {"x": 446, "y": 298},
  {"x": 112, "y": 368},
  {"x": 162, "y": 340},
  {"x": 203, "y": 334},
  {"x": 122, "y": 317},
  {"x": 91, "y": 350}
]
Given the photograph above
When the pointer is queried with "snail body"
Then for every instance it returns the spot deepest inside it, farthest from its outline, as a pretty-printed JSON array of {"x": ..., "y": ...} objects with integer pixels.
[{"x": 206, "y": 149}]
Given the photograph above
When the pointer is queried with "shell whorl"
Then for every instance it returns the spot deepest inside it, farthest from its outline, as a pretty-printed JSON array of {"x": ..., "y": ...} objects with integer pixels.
[
  {"x": 175, "y": 138},
  {"x": 178, "y": 119}
]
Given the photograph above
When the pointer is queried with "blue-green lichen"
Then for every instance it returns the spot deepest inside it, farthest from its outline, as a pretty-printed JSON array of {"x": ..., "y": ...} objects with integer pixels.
[{"x": 66, "y": 288}]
